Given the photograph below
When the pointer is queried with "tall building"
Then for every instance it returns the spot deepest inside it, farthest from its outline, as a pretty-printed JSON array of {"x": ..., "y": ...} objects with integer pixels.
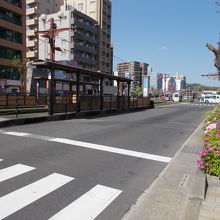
[
  {"x": 169, "y": 84},
  {"x": 12, "y": 40},
  {"x": 101, "y": 11},
  {"x": 135, "y": 69},
  {"x": 79, "y": 45},
  {"x": 34, "y": 9},
  {"x": 156, "y": 81},
  {"x": 180, "y": 82}
]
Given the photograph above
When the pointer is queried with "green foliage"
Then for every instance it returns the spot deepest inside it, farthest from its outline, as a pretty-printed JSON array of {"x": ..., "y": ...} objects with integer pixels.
[
  {"x": 199, "y": 87},
  {"x": 21, "y": 65},
  {"x": 138, "y": 91},
  {"x": 210, "y": 153}
]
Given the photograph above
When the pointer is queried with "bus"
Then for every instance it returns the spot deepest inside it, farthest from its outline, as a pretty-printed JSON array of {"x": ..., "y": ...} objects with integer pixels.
[
  {"x": 176, "y": 97},
  {"x": 210, "y": 98}
]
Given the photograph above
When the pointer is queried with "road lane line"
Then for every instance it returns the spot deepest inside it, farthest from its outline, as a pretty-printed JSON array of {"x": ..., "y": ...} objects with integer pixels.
[
  {"x": 1, "y": 160},
  {"x": 96, "y": 147},
  {"x": 22, "y": 197},
  {"x": 20, "y": 134},
  {"x": 112, "y": 149},
  {"x": 89, "y": 205},
  {"x": 12, "y": 171}
]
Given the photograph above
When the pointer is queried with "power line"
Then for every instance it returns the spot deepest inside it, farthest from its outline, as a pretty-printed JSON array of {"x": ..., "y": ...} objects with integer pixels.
[{"x": 120, "y": 59}]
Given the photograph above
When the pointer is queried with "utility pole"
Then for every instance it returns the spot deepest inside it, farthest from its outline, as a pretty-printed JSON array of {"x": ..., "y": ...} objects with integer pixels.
[{"x": 51, "y": 35}]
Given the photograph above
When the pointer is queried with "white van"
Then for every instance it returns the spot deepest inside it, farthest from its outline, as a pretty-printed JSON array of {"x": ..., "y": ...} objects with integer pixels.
[
  {"x": 176, "y": 97},
  {"x": 210, "y": 98}
]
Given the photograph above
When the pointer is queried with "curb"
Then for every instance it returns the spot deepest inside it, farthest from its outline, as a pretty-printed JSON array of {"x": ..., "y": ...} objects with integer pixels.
[{"x": 29, "y": 120}]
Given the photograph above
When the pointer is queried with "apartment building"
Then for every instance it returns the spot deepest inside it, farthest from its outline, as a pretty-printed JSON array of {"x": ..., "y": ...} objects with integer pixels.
[
  {"x": 79, "y": 45},
  {"x": 34, "y": 9},
  {"x": 12, "y": 41},
  {"x": 101, "y": 11},
  {"x": 180, "y": 82},
  {"x": 135, "y": 69}
]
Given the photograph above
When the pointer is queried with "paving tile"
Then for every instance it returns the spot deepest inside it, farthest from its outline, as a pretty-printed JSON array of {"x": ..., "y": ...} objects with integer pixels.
[
  {"x": 213, "y": 215},
  {"x": 209, "y": 208},
  {"x": 204, "y": 218}
]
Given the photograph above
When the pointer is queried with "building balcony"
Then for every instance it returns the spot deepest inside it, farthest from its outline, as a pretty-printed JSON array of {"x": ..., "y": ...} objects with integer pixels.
[
  {"x": 30, "y": 2},
  {"x": 31, "y": 11},
  {"x": 31, "y": 43},
  {"x": 31, "y": 22},
  {"x": 31, "y": 54},
  {"x": 85, "y": 49},
  {"x": 30, "y": 33}
]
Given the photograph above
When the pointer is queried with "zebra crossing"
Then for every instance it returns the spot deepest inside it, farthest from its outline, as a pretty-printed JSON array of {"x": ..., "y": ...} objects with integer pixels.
[
  {"x": 198, "y": 104},
  {"x": 88, "y": 206}
]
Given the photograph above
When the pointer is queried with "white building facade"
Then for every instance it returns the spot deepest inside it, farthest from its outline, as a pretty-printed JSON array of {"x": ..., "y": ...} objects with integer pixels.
[{"x": 79, "y": 45}]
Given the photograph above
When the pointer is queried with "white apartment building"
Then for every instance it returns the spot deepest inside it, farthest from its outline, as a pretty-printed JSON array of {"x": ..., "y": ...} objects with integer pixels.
[
  {"x": 101, "y": 11},
  {"x": 169, "y": 84},
  {"x": 34, "y": 8},
  {"x": 79, "y": 45},
  {"x": 180, "y": 82}
]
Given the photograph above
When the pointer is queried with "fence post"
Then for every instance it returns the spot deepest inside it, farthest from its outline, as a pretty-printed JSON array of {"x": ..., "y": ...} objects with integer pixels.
[
  {"x": 16, "y": 105},
  {"x": 91, "y": 102},
  {"x": 110, "y": 103}
]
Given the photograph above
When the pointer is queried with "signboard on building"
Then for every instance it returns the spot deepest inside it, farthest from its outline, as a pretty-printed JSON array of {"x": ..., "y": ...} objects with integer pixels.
[{"x": 13, "y": 82}]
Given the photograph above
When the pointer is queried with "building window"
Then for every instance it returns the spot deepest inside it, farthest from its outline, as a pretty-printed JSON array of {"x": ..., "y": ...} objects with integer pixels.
[
  {"x": 92, "y": 13},
  {"x": 80, "y": 6},
  {"x": 13, "y": 36},
  {"x": 9, "y": 73},
  {"x": 72, "y": 50},
  {"x": 92, "y": 2},
  {"x": 17, "y": 3},
  {"x": 10, "y": 16},
  {"x": 8, "y": 53}
]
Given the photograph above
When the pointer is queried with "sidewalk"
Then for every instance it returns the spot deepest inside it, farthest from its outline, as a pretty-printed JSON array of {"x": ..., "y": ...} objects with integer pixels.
[
  {"x": 179, "y": 191},
  {"x": 210, "y": 208}
]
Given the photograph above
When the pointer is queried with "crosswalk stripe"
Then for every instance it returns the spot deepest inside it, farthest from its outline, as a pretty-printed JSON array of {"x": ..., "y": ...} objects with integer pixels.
[
  {"x": 22, "y": 197},
  {"x": 13, "y": 171},
  {"x": 1, "y": 160},
  {"x": 90, "y": 205}
]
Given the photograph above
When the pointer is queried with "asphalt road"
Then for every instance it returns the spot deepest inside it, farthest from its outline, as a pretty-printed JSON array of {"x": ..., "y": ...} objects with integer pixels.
[{"x": 94, "y": 168}]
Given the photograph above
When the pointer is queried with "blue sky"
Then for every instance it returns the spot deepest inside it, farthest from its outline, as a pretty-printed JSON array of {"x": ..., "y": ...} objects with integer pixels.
[{"x": 170, "y": 35}]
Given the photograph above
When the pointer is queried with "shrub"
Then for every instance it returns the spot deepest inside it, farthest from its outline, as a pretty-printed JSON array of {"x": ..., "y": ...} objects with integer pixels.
[{"x": 210, "y": 153}]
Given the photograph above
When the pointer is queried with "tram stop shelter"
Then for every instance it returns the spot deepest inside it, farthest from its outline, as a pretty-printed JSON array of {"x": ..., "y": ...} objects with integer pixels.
[{"x": 74, "y": 99}]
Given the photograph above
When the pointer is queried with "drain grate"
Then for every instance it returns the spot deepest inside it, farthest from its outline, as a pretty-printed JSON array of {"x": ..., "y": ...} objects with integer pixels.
[{"x": 191, "y": 149}]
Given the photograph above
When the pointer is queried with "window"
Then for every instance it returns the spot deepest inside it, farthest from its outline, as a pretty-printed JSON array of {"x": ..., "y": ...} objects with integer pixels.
[
  {"x": 92, "y": 2},
  {"x": 17, "y": 3},
  {"x": 80, "y": 6},
  {"x": 8, "y": 53},
  {"x": 9, "y": 73},
  {"x": 10, "y": 16},
  {"x": 72, "y": 50},
  {"x": 92, "y": 13},
  {"x": 10, "y": 35}
]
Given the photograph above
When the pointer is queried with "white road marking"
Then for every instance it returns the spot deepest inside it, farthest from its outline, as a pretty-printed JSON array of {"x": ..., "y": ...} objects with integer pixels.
[
  {"x": 12, "y": 171},
  {"x": 20, "y": 134},
  {"x": 96, "y": 147},
  {"x": 90, "y": 205},
  {"x": 22, "y": 197},
  {"x": 112, "y": 149},
  {"x": 1, "y": 160}
]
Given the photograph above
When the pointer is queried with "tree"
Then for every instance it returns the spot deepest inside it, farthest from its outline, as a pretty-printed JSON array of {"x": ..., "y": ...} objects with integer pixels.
[
  {"x": 137, "y": 91},
  {"x": 21, "y": 66}
]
